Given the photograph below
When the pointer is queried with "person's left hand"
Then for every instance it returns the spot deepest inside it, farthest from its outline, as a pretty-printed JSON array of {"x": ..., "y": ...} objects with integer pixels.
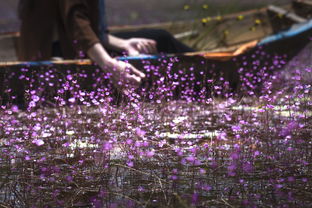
[{"x": 136, "y": 46}]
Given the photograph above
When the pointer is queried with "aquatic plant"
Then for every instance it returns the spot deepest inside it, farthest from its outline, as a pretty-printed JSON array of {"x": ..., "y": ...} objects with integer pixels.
[{"x": 189, "y": 136}]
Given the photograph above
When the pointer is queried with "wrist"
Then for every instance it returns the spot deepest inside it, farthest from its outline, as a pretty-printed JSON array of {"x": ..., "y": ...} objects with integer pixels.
[
  {"x": 117, "y": 44},
  {"x": 109, "y": 64},
  {"x": 123, "y": 45}
]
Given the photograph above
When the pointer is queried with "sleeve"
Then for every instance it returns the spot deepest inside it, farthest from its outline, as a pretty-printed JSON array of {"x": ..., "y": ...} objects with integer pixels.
[{"x": 76, "y": 17}]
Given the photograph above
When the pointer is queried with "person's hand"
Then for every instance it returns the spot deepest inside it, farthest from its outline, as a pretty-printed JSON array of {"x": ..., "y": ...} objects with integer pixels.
[
  {"x": 136, "y": 46},
  {"x": 125, "y": 76}
]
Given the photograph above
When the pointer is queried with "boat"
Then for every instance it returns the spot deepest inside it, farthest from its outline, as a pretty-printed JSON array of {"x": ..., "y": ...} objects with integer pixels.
[
  {"x": 214, "y": 34},
  {"x": 223, "y": 43}
]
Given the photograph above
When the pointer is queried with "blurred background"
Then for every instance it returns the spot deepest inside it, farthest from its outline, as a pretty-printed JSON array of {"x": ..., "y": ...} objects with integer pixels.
[{"x": 129, "y": 12}]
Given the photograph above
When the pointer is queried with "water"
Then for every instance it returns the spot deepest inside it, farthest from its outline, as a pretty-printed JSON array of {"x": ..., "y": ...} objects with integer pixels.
[
  {"x": 106, "y": 152},
  {"x": 172, "y": 144}
]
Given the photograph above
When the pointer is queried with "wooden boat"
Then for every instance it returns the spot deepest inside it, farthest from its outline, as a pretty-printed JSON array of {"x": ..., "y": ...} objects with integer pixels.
[
  {"x": 224, "y": 42},
  {"x": 213, "y": 34}
]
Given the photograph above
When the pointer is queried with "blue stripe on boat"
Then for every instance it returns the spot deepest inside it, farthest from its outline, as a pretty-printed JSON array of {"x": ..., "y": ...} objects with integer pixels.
[
  {"x": 35, "y": 63},
  {"x": 125, "y": 58},
  {"x": 287, "y": 34},
  {"x": 140, "y": 57}
]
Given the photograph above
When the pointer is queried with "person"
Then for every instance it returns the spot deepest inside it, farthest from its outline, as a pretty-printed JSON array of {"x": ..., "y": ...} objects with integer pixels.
[{"x": 77, "y": 28}]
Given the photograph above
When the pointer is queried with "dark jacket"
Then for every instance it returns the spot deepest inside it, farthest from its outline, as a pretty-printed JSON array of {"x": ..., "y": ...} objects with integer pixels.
[{"x": 76, "y": 22}]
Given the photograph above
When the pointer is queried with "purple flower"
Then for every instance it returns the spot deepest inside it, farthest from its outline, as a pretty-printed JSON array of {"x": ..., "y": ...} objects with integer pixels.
[
  {"x": 247, "y": 167},
  {"x": 69, "y": 77},
  {"x": 14, "y": 108},
  {"x": 140, "y": 132},
  {"x": 202, "y": 171},
  {"x": 195, "y": 197},
  {"x": 236, "y": 128},
  {"x": 129, "y": 141},
  {"x": 35, "y": 98},
  {"x": 235, "y": 155},
  {"x": 72, "y": 100},
  {"x": 190, "y": 158},
  {"x": 130, "y": 164},
  {"x": 69, "y": 178},
  {"x": 150, "y": 153},
  {"x": 38, "y": 142},
  {"x": 141, "y": 189},
  {"x": 222, "y": 136},
  {"x": 107, "y": 146},
  {"x": 256, "y": 153},
  {"x": 291, "y": 126},
  {"x": 206, "y": 187}
]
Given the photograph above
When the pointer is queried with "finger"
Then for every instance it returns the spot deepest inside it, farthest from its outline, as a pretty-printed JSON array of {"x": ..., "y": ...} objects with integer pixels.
[
  {"x": 133, "y": 79},
  {"x": 133, "y": 52},
  {"x": 131, "y": 82},
  {"x": 137, "y": 72},
  {"x": 141, "y": 48},
  {"x": 138, "y": 46},
  {"x": 149, "y": 47},
  {"x": 154, "y": 46},
  {"x": 145, "y": 46},
  {"x": 151, "y": 44}
]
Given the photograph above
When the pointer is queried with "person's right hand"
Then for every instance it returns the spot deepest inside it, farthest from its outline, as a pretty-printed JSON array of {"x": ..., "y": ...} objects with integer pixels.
[{"x": 125, "y": 76}]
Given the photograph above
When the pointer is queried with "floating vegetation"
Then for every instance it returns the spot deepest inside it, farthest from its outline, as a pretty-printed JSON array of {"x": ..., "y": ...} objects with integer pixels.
[{"x": 186, "y": 139}]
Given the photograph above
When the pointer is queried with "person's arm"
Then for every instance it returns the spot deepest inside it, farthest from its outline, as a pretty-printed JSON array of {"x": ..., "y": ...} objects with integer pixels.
[
  {"x": 78, "y": 27},
  {"x": 132, "y": 46},
  {"x": 124, "y": 75},
  {"x": 76, "y": 19}
]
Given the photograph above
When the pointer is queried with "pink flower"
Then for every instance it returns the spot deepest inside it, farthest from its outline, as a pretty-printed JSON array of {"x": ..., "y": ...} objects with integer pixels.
[
  {"x": 72, "y": 100},
  {"x": 69, "y": 77},
  {"x": 206, "y": 187},
  {"x": 236, "y": 128},
  {"x": 107, "y": 146},
  {"x": 140, "y": 132},
  {"x": 130, "y": 164},
  {"x": 38, "y": 142},
  {"x": 150, "y": 153},
  {"x": 69, "y": 178},
  {"x": 190, "y": 158}
]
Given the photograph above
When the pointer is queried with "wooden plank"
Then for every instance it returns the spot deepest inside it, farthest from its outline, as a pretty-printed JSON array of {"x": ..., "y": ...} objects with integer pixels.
[
  {"x": 303, "y": 8},
  {"x": 186, "y": 34},
  {"x": 279, "y": 19},
  {"x": 7, "y": 49},
  {"x": 287, "y": 14}
]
